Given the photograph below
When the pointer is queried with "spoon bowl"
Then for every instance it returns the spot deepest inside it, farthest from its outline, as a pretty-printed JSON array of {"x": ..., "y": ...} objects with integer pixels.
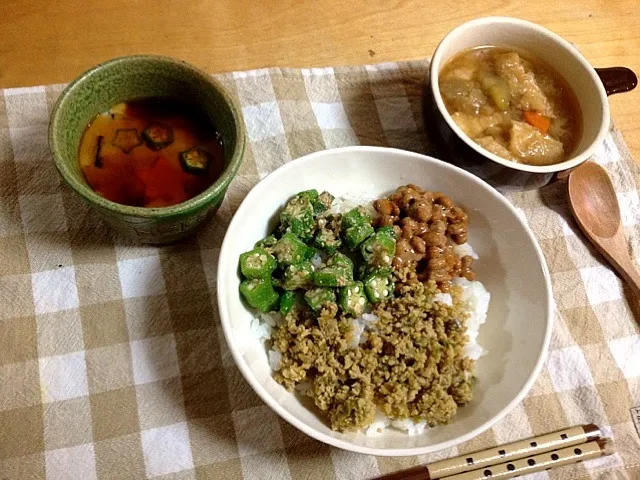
[
  {"x": 594, "y": 199},
  {"x": 594, "y": 205}
]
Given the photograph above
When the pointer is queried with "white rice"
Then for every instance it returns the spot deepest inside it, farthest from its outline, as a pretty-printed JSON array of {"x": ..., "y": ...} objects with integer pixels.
[
  {"x": 344, "y": 204},
  {"x": 464, "y": 249},
  {"x": 474, "y": 294}
]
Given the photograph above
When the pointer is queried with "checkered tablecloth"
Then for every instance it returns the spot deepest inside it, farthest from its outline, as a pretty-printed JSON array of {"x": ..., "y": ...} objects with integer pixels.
[{"x": 112, "y": 361}]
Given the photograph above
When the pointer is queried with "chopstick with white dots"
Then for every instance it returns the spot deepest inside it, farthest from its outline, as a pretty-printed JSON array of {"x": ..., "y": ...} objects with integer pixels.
[{"x": 570, "y": 445}]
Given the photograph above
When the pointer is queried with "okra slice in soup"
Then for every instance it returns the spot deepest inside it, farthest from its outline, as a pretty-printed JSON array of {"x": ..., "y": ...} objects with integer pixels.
[
  {"x": 298, "y": 217},
  {"x": 195, "y": 160},
  {"x": 287, "y": 299},
  {"x": 352, "y": 299},
  {"x": 356, "y": 216},
  {"x": 379, "y": 248},
  {"x": 290, "y": 250},
  {"x": 157, "y": 136},
  {"x": 318, "y": 297},
  {"x": 298, "y": 275},
  {"x": 337, "y": 276},
  {"x": 378, "y": 286},
  {"x": 257, "y": 263},
  {"x": 259, "y": 293},
  {"x": 354, "y": 236}
]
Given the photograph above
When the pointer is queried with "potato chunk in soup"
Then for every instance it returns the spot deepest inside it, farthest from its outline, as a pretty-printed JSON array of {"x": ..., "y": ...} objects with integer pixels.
[{"x": 512, "y": 105}]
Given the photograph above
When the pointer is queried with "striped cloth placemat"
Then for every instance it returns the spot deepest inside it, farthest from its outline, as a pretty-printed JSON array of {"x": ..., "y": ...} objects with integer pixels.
[{"x": 112, "y": 361}]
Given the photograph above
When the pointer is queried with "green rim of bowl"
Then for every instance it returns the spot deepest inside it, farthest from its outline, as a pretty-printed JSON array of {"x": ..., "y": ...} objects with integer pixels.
[{"x": 190, "y": 206}]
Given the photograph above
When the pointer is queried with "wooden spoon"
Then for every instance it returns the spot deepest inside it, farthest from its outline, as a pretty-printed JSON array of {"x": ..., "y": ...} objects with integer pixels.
[{"x": 595, "y": 206}]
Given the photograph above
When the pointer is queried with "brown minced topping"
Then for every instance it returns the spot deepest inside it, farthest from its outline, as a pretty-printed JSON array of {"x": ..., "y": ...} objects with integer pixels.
[{"x": 410, "y": 365}]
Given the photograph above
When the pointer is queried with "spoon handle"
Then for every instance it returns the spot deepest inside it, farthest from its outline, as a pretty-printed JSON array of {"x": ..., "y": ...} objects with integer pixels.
[
  {"x": 630, "y": 274},
  {"x": 615, "y": 251}
]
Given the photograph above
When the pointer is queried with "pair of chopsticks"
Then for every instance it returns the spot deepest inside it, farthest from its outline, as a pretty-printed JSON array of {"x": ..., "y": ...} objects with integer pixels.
[{"x": 556, "y": 449}]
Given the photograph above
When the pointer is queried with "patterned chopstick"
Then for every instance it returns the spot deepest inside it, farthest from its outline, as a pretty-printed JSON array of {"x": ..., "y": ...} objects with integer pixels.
[
  {"x": 540, "y": 462},
  {"x": 502, "y": 454}
]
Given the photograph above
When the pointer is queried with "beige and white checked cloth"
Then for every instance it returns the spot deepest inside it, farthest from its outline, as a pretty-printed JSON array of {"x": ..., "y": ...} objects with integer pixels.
[{"x": 112, "y": 361}]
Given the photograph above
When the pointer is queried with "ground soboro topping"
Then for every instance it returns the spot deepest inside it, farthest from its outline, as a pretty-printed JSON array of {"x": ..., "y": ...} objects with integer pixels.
[{"x": 410, "y": 366}]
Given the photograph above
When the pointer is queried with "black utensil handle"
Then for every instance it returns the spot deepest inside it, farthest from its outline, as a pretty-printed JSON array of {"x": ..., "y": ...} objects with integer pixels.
[{"x": 617, "y": 79}]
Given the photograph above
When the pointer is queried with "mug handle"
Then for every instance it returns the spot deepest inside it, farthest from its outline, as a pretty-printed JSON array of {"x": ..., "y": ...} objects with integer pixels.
[{"x": 617, "y": 79}]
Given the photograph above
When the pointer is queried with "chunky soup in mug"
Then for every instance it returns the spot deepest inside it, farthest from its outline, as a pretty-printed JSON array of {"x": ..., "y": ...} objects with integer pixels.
[
  {"x": 512, "y": 104},
  {"x": 152, "y": 152}
]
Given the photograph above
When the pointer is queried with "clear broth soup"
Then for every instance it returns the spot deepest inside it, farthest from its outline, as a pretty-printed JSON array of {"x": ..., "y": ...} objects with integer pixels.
[{"x": 153, "y": 152}]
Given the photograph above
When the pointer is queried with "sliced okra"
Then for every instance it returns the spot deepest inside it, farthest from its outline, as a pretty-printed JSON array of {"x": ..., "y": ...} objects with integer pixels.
[
  {"x": 267, "y": 242},
  {"x": 378, "y": 286},
  {"x": 318, "y": 297},
  {"x": 354, "y": 236},
  {"x": 323, "y": 202},
  {"x": 126, "y": 139},
  {"x": 337, "y": 276},
  {"x": 290, "y": 250},
  {"x": 340, "y": 260},
  {"x": 260, "y": 294},
  {"x": 287, "y": 299},
  {"x": 379, "y": 248},
  {"x": 356, "y": 216},
  {"x": 310, "y": 194},
  {"x": 257, "y": 263},
  {"x": 157, "y": 136},
  {"x": 195, "y": 160},
  {"x": 352, "y": 299},
  {"x": 327, "y": 240},
  {"x": 299, "y": 275},
  {"x": 297, "y": 217}
]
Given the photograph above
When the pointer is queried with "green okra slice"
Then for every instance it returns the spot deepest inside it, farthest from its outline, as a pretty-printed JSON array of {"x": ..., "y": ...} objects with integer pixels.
[
  {"x": 320, "y": 202},
  {"x": 340, "y": 260},
  {"x": 328, "y": 236},
  {"x": 319, "y": 297},
  {"x": 327, "y": 240},
  {"x": 312, "y": 195},
  {"x": 379, "y": 248},
  {"x": 290, "y": 250},
  {"x": 287, "y": 299},
  {"x": 323, "y": 202},
  {"x": 266, "y": 242},
  {"x": 260, "y": 294},
  {"x": 337, "y": 276},
  {"x": 356, "y": 216},
  {"x": 354, "y": 236},
  {"x": 352, "y": 299},
  {"x": 378, "y": 286},
  {"x": 299, "y": 275},
  {"x": 257, "y": 263},
  {"x": 298, "y": 217}
]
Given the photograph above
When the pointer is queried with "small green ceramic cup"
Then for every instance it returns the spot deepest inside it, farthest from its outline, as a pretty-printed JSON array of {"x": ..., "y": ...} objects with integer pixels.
[{"x": 129, "y": 78}]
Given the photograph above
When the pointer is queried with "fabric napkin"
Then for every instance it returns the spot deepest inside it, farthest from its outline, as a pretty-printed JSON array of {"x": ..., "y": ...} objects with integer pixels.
[{"x": 112, "y": 361}]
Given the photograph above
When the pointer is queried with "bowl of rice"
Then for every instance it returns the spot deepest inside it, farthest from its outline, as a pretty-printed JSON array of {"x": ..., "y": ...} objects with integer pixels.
[{"x": 405, "y": 309}]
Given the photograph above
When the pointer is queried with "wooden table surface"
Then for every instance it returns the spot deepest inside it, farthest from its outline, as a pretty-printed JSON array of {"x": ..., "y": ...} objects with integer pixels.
[{"x": 51, "y": 41}]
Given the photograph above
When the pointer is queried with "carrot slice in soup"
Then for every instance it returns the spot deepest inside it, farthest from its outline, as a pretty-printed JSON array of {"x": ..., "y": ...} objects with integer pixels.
[{"x": 535, "y": 119}]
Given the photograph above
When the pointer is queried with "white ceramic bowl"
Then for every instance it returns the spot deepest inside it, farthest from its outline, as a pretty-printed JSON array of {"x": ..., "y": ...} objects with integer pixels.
[
  {"x": 549, "y": 47},
  {"x": 511, "y": 266}
]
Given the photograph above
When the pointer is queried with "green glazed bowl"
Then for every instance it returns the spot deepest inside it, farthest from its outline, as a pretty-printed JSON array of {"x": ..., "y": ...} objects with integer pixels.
[{"x": 139, "y": 76}]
